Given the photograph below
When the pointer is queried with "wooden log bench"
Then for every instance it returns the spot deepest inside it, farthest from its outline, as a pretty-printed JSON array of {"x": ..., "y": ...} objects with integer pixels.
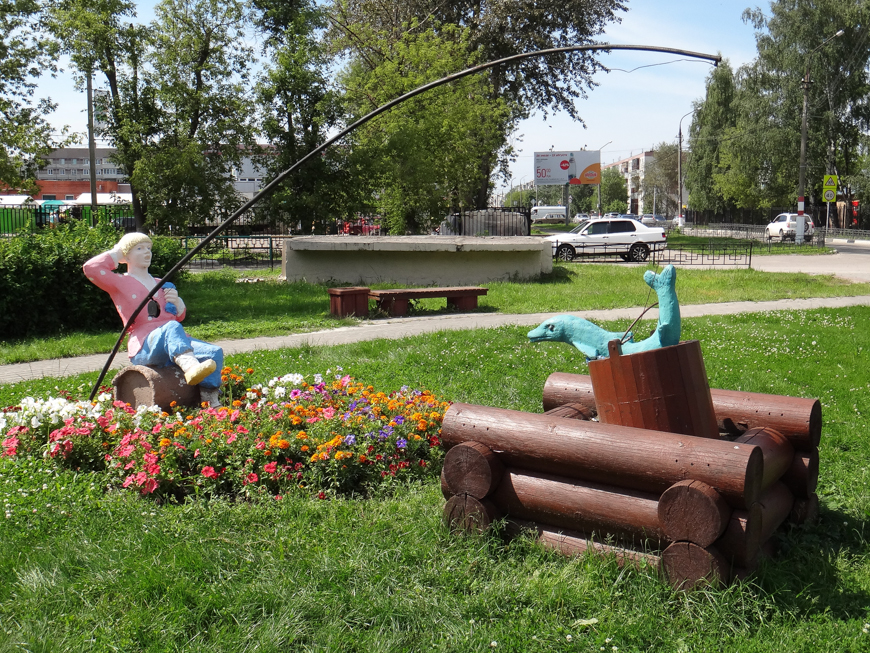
[{"x": 394, "y": 302}]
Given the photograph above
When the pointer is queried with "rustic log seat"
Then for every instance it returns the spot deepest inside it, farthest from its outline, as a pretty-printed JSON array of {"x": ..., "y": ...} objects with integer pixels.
[{"x": 394, "y": 302}]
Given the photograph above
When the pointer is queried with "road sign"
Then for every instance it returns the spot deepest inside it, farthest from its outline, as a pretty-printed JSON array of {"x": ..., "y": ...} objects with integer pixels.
[
  {"x": 830, "y": 195},
  {"x": 830, "y": 181}
]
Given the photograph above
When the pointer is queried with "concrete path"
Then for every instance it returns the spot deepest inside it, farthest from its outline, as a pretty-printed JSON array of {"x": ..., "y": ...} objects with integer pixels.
[{"x": 410, "y": 326}]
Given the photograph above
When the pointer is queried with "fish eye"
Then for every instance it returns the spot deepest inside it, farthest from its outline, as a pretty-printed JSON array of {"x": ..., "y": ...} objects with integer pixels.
[{"x": 551, "y": 327}]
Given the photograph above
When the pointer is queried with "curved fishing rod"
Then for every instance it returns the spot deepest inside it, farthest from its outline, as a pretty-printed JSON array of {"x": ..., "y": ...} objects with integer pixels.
[{"x": 271, "y": 186}]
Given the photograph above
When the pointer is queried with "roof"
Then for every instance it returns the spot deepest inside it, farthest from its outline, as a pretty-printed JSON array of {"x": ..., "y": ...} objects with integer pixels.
[
  {"x": 14, "y": 200},
  {"x": 105, "y": 198}
]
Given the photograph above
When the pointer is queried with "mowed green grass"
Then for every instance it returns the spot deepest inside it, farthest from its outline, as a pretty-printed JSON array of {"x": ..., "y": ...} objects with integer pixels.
[
  {"x": 82, "y": 570},
  {"x": 220, "y": 307}
]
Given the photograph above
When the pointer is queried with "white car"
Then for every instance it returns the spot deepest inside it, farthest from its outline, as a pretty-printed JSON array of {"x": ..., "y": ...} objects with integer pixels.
[
  {"x": 580, "y": 217},
  {"x": 629, "y": 239},
  {"x": 784, "y": 226}
]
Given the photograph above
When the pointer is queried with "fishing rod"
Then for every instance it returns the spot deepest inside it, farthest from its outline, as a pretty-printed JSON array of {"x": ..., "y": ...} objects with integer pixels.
[{"x": 271, "y": 186}]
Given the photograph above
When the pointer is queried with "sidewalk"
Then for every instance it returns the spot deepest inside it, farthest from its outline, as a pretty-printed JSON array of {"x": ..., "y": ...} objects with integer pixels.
[{"x": 410, "y": 326}]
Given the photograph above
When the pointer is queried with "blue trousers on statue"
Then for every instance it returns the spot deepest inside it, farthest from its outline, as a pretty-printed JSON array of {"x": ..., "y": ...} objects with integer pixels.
[{"x": 168, "y": 341}]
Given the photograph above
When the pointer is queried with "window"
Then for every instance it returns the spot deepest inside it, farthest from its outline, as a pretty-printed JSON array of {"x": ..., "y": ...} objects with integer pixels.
[
  {"x": 50, "y": 171},
  {"x": 61, "y": 161},
  {"x": 49, "y": 197},
  {"x": 73, "y": 161},
  {"x": 622, "y": 226},
  {"x": 69, "y": 197},
  {"x": 597, "y": 228}
]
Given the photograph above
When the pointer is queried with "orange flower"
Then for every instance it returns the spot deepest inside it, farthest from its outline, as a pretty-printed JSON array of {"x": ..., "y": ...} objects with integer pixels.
[
  {"x": 283, "y": 444},
  {"x": 165, "y": 442},
  {"x": 362, "y": 458},
  {"x": 421, "y": 425},
  {"x": 304, "y": 447},
  {"x": 249, "y": 370},
  {"x": 302, "y": 435}
]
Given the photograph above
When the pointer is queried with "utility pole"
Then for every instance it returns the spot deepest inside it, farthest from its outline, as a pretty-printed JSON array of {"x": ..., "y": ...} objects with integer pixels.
[
  {"x": 680, "y": 163},
  {"x": 92, "y": 148},
  {"x": 599, "y": 176}
]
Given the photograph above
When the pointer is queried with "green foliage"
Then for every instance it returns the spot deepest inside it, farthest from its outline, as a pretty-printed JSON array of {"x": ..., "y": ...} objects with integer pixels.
[
  {"x": 660, "y": 181},
  {"x": 44, "y": 289},
  {"x": 424, "y": 155},
  {"x": 614, "y": 191}
]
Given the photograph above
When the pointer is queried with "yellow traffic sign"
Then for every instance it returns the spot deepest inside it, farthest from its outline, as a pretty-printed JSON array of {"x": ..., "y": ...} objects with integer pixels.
[
  {"x": 830, "y": 195},
  {"x": 830, "y": 182}
]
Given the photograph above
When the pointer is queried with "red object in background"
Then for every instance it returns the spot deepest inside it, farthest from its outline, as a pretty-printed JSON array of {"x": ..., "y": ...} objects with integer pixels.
[{"x": 855, "y": 208}]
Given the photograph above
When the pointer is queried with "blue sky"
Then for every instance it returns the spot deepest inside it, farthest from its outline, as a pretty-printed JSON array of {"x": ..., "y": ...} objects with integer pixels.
[{"x": 635, "y": 110}]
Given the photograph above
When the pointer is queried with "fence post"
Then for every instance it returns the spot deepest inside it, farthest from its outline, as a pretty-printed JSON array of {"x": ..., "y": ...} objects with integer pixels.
[{"x": 271, "y": 261}]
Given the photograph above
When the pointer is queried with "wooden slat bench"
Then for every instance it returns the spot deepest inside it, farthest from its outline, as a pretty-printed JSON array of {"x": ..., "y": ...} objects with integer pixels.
[{"x": 395, "y": 301}]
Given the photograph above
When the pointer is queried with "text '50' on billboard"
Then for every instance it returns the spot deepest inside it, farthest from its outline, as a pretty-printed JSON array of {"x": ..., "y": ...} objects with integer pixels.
[{"x": 560, "y": 168}]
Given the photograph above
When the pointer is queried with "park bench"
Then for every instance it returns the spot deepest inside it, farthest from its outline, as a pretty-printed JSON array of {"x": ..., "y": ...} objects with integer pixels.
[{"x": 395, "y": 301}]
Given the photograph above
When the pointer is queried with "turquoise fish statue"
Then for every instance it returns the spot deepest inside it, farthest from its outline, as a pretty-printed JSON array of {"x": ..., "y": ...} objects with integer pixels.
[{"x": 592, "y": 340}]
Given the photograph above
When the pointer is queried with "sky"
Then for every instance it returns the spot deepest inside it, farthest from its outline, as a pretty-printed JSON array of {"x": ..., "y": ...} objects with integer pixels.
[{"x": 627, "y": 113}]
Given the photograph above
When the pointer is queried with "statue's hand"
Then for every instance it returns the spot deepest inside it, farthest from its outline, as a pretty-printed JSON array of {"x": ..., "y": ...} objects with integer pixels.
[{"x": 171, "y": 295}]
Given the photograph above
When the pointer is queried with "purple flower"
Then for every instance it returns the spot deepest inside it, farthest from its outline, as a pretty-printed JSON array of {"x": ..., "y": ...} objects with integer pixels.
[
  {"x": 350, "y": 439},
  {"x": 399, "y": 419},
  {"x": 401, "y": 443}
]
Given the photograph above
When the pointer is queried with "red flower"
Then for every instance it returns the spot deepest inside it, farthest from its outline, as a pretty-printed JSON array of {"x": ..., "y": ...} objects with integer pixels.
[
  {"x": 209, "y": 472},
  {"x": 270, "y": 468},
  {"x": 322, "y": 495},
  {"x": 251, "y": 478}
]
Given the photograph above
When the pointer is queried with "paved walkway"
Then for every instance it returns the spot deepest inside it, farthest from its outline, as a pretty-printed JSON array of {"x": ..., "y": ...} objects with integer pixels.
[{"x": 410, "y": 326}]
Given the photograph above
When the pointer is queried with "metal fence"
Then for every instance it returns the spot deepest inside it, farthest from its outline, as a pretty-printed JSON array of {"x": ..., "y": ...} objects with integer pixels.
[
  {"x": 16, "y": 217},
  {"x": 756, "y": 232},
  {"x": 706, "y": 255},
  {"x": 235, "y": 251},
  {"x": 492, "y": 221}
]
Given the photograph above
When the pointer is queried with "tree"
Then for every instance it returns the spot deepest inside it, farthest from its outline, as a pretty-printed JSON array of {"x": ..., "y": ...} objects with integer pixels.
[
  {"x": 759, "y": 155},
  {"x": 25, "y": 136},
  {"x": 614, "y": 191},
  {"x": 423, "y": 156},
  {"x": 493, "y": 30},
  {"x": 660, "y": 183},
  {"x": 299, "y": 107},
  {"x": 176, "y": 107},
  {"x": 714, "y": 116}
]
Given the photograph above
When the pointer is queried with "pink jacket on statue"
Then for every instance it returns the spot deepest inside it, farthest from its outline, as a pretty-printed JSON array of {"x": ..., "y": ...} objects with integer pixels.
[{"x": 127, "y": 293}]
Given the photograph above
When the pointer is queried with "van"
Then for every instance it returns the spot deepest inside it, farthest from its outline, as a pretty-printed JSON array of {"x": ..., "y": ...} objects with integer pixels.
[{"x": 549, "y": 214}]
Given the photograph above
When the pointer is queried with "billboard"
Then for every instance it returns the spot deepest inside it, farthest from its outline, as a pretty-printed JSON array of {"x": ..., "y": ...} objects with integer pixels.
[{"x": 560, "y": 168}]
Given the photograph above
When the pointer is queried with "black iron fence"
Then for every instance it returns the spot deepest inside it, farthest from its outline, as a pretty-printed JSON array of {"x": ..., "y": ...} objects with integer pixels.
[
  {"x": 758, "y": 232},
  {"x": 492, "y": 221},
  {"x": 235, "y": 252},
  {"x": 706, "y": 255}
]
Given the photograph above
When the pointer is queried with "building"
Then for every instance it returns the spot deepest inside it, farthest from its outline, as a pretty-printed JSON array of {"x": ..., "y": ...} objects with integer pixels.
[
  {"x": 66, "y": 175},
  {"x": 633, "y": 169}
]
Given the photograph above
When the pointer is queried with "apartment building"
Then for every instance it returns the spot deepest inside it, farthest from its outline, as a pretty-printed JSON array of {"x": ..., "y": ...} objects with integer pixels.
[{"x": 632, "y": 169}]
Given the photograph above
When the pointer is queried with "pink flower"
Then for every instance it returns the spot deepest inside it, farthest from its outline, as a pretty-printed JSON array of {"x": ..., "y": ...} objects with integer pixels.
[
  {"x": 270, "y": 468},
  {"x": 149, "y": 486},
  {"x": 209, "y": 472},
  {"x": 231, "y": 438},
  {"x": 153, "y": 469},
  {"x": 260, "y": 445},
  {"x": 128, "y": 481},
  {"x": 251, "y": 478},
  {"x": 241, "y": 429},
  {"x": 328, "y": 412},
  {"x": 150, "y": 458},
  {"x": 196, "y": 453},
  {"x": 278, "y": 497},
  {"x": 311, "y": 420},
  {"x": 157, "y": 429},
  {"x": 141, "y": 477}
]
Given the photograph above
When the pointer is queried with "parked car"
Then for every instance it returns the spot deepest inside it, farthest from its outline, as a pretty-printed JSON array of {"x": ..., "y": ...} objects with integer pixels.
[
  {"x": 679, "y": 222},
  {"x": 580, "y": 217},
  {"x": 629, "y": 239},
  {"x": 612, "y": 214},
  {"x": 652, "y": 219},
  {"x": 630, "y": 216},
  {"x": 785, "y": 226}
]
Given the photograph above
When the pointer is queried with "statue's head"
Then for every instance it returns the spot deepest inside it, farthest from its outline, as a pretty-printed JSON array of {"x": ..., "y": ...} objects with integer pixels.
[{"x": 129, "y": 241}]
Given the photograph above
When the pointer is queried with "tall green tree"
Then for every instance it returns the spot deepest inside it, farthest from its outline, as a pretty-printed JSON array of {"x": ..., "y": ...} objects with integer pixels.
[
  {"x": 614, "y": 190},
  {"x": 25, "y": 53},
  {"x": 660, "y": 185},
  {"x": 299, "y": 106},
  {"x": 493, "y": 30},
  {"x": 714, "y": 116},
  {"x": 176, "y": 107}
]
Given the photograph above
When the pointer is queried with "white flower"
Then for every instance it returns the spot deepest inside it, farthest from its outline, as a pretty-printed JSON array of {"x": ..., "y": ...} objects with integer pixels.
[
  {"x": 35, "y": 423},
  {"x": 280, "y": 391},
  {"x": 318, "y": 378},
  {"x": 493, "y": 644},
  {"x": 568, "y": 637}
]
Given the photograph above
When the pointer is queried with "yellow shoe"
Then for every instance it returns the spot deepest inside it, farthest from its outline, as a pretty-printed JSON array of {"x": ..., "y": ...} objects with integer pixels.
[{"x": 197, "y": 374}]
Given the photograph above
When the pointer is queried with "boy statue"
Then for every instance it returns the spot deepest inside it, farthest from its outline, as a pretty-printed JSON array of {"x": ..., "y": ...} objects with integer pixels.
[{"x": 156, "y": 335}]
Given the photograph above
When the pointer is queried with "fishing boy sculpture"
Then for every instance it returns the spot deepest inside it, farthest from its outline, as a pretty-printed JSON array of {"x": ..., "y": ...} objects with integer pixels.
[
  {"x": 592, "y": 340},
  {"x": 156, "y": 336}
]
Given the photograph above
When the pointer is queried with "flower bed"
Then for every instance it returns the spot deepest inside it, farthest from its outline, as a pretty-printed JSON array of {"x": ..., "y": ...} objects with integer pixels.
[{"x": 325, "y": 438}]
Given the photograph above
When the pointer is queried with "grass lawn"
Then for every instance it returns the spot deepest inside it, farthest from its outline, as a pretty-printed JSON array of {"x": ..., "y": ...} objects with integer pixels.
[
  {"x": 221, "y": 308},
  {"x": 83, "y": 570}
]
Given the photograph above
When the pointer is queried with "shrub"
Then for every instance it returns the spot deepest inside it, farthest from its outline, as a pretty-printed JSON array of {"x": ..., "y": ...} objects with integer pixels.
[{"x": 45, "y": 291}]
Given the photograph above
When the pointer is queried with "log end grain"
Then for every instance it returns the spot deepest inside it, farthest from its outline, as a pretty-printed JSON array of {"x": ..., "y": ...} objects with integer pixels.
[
  {"x": 688, "y": 566},
  {"x": 572, "y": 411},
  {"x": 472, "y": 468},
  {"x": 693, "y": 511},
  {"x": 465, "y": 514}
]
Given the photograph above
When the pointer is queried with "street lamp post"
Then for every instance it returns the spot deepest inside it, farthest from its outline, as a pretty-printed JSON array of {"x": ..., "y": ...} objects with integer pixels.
[
  {"x": 599, "y": 178},
  {"x": 802, "y": 172},
  {"x": 680, "y": 163}
]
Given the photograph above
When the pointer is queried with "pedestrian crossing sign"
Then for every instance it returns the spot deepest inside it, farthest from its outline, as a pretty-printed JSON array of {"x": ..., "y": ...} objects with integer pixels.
[{"x": 830, "y": 182}]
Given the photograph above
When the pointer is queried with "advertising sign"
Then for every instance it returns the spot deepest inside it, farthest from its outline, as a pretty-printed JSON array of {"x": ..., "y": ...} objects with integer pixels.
[{"x": 560, "y": 168}]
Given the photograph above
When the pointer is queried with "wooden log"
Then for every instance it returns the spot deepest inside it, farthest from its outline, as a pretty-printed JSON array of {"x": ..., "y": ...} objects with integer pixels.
[
  {"x": 141, "y": 385},
  {"x": 777, "y": 452},
  {"x": 768, "y": 551},
  {"x": 804, "y": 510},
  {"x": 688, "y": 566},
  {"x": 572, "y": 543},
  {"x": 776, "y": 504},
  {"x": 741, "y": 540},
  {"x": 799, "y": 420},
  {"x": 692, "y": 511},
  {"x": 802, "y": 477},
  {"x": 466, "y": 514},
  {"x": 472, "y": 468},
  {"x": 580, "y": 506},
  {"x": 444, "y": 489},
  {"x": 572, "y": 411},
  {"x": 663, "y": 389},
  {"x": 650, "y": 461}
]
